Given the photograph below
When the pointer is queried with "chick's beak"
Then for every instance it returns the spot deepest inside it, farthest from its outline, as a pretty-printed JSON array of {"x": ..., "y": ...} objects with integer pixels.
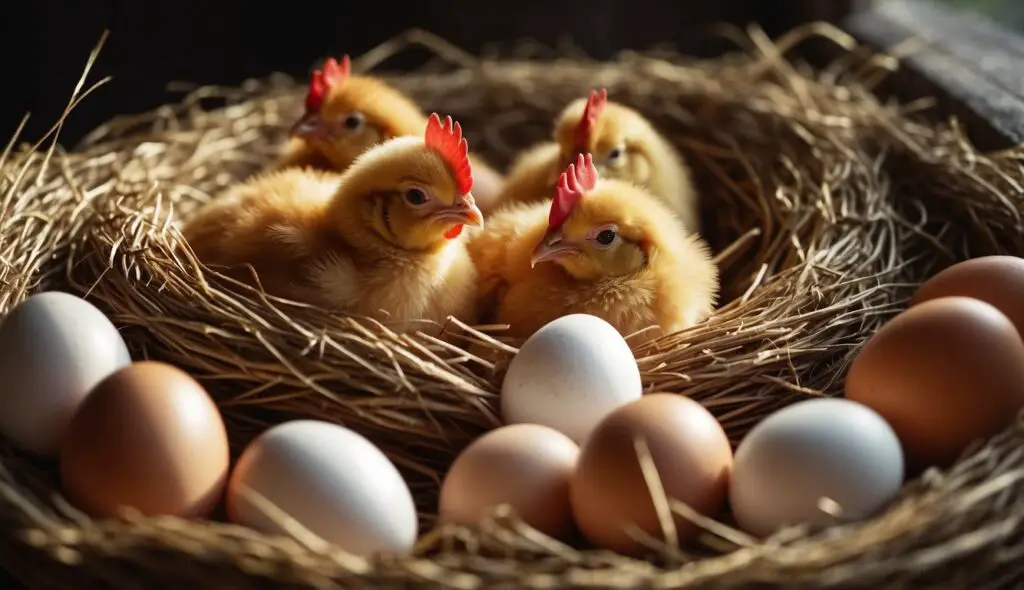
[
  {"x": 464, "y": 211},
  {"x": 311, "y": 125},
  {"x": 552, "y": 247}
]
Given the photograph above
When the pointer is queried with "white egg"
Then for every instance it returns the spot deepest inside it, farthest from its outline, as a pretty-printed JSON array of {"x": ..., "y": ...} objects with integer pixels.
[
  {"x": 54, "y": 347},
  {"x": 569, "y": 375},
  {"x": 331, "y": 481},
  {"x": 834, "y": 454}
]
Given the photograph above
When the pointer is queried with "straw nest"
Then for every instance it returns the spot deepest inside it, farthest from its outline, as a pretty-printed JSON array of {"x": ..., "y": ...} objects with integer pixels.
[{"x": 826, "y": 208}]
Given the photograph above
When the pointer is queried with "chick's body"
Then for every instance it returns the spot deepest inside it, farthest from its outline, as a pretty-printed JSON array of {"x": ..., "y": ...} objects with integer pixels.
[
  {"x": 625, "y": 146},
  {"x": 355, "y": 113},
  {"x": 655, "y": 273},
  {"x": 349, "y": 242},
  {"x": 532, "y": 176}
]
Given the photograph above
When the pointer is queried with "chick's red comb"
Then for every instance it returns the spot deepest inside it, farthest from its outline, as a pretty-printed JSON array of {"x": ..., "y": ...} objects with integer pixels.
[
  {"x": 446, "y": 139},
  {"x": 323, "y": 79},
  {"x": 591, "y": 113},
  {"x": 579, "y": 178}
]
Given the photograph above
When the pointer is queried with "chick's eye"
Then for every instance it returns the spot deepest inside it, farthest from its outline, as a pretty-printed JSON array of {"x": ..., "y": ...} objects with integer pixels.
[
  {"x": 416, "y": 196},
  {"x": 605, "y": 237},
  {"x": 615, "y": 154},
  {"x": 353, "y": 121}
]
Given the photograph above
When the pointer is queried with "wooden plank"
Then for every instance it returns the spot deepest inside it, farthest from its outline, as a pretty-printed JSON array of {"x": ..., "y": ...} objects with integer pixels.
[{"x": 974, "y": 67}]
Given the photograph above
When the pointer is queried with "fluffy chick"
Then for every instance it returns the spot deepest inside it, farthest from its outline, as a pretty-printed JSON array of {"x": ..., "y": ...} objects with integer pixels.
[
  {"x": 606, "y": 248},
  {"x": 347, "y": 114},
  {"x": 625, "y": 146},
  {"x": 383, "y": 239}
]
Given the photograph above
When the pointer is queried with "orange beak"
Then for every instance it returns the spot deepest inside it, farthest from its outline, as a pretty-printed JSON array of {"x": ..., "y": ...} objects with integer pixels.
[
  {"x": 463, "y": 211},
  {"x": 311, "y": 125},
  {"x": 553, "y": 247}
]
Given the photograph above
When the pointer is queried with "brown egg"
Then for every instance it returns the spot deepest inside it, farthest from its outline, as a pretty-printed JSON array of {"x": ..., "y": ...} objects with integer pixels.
[
  {"x": 996, "y": 280},
  {"x": 526, "y": 466},
  {"x": 146, "y": 437},
  {"x": 690, "y": 452},
  {"x": 943, "y": 373}
]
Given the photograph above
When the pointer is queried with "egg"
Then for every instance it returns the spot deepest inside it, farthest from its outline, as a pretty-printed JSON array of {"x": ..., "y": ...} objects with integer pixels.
[
  {"x": 943, "y": 373},
  {"x": 609, "y": 494},
  {"x": 569, "y": 375},
  {"x": 328, "y": 479},
  {"x": 823, "y": 450},
  {"x": 526, "y": 466},
  {"x": 54, "y": 348},
  {"x": 147, "y": 437},
  {"x": 996, "y": 280}
]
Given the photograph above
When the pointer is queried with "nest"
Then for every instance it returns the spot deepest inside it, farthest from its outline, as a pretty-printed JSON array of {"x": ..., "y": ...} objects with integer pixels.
[{"x": 825, "y": 207}]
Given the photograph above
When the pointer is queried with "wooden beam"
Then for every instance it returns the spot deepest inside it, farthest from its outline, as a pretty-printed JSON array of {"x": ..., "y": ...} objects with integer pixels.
[{"x": 971, "y": 65}]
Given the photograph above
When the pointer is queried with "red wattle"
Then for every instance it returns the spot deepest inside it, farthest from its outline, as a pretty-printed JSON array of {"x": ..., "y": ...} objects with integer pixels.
[{"x": 453, "y": 232}]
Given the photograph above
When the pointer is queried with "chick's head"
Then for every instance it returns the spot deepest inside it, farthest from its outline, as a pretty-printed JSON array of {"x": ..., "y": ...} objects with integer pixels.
[
  {"x": 597, "y": 229},
  {"x": 346, "y": 115},
  {"x": 622, "y": 142},
  {"x": 410, "y": 192}
]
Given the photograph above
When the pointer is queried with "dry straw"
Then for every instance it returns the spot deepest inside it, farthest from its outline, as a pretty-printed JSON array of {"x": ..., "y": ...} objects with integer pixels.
[{"x": 827, "y": 206}]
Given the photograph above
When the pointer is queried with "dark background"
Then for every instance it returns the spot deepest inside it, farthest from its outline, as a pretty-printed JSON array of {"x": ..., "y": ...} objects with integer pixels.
[{"x": 226, "y": 41}]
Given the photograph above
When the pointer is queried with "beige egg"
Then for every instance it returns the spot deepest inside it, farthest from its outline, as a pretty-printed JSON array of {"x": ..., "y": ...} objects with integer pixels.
[
  {"x": 690, "y": 452},
  {"x": 147, "y": 437},
  {"x": 996, "y": 280},
  {"x": 526, "y": 466},
  {"x": 944, "y": 373}
]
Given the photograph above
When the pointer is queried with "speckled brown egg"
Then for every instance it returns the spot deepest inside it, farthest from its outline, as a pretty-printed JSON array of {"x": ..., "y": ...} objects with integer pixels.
[
  {"x": 944, "y": 373},
  {"x": 689, "y": 450},
  {"x": 525, "y": 466},
  {"x": 147, "y": 437},
  {"x": 996, "y": 280}
]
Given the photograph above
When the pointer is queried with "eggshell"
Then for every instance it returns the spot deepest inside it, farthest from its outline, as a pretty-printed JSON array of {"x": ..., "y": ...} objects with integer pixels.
[
  {"x": 147, "y": 437},
  {"x": 690, "y": 452},
  {"x": 331, "y": 481},
  {"x": 526, "y": 466},
  {"x": 996, "y": 280},
  {"x": 832, "y": 449},
  {"x": 569, "y": 375},
  {"x": 54, "y": 348},
  {"x": 944, "y": 373}
]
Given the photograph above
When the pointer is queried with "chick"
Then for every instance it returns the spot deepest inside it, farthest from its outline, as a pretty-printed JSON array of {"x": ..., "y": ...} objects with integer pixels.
[
  {"x": 626, "y": 147},
  {"x": 384, "y": 239},
  {"x": 346, "y": 115},
  {"x": 602, "y": 247}
]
